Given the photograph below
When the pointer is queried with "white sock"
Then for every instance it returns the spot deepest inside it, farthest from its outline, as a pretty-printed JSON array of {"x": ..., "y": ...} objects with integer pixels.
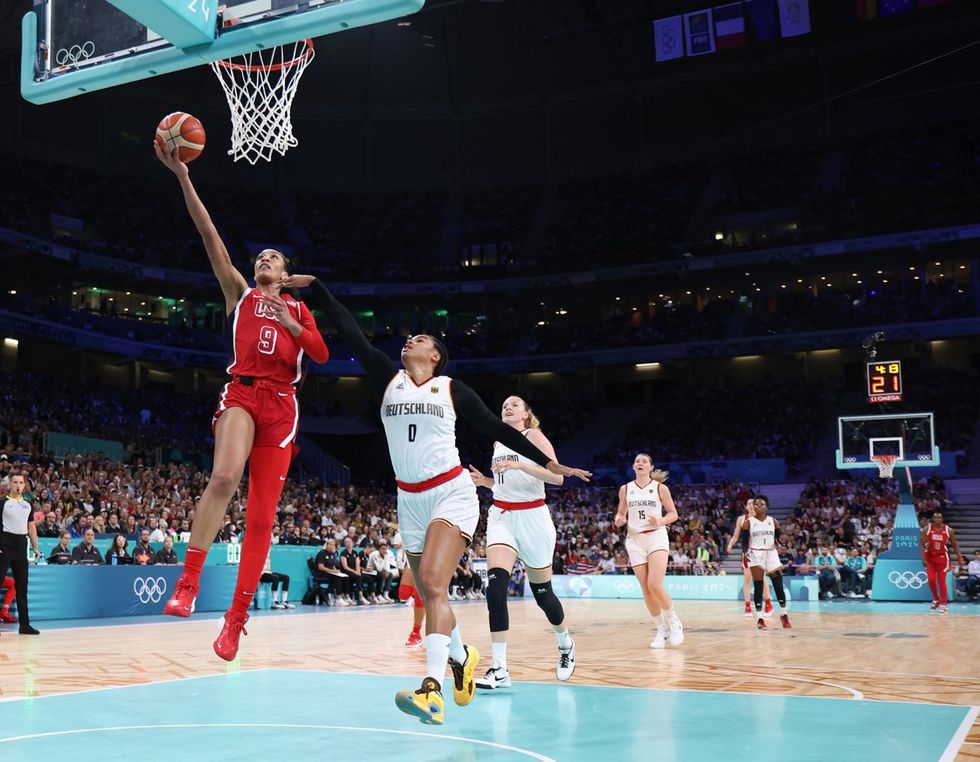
[
  {"x": 669, "y": 615},
  {"x": 500, "y": 655},
  {"x": 564, "y": 641},
  {"x": 436, "y": 656},
  {"x": 285, "y": 596},
  {"x": 456, "y": 649},
  {"x": 659, "y": 621}
]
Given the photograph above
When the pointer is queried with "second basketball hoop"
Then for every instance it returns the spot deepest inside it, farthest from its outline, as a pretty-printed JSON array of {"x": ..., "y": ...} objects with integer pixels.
[{"x": 260, "y": 88}]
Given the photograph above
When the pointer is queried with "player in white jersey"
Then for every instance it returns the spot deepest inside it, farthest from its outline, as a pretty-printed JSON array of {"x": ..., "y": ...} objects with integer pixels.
[
  {"x": 763, "y": 558},
  {"x": 647, "y": 509},
  {"x": 438, "y": 509},
  {"x": 519, "y": 525},
  {"x": 746, "y": 572}
]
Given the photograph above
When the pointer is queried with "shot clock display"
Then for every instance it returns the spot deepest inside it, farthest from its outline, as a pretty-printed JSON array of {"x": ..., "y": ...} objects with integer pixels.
[{"x": 885, "y": 381}]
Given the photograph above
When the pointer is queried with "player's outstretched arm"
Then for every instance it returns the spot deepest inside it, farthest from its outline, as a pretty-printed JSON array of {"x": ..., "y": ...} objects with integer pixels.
[
  {"x": 956, "y": 545},
  {"x": 471, "y": 409},
  {"x": 479, "y": 478},
  {"x": 670, "y": 510},
  {"x": 539, "y": 440},
  {"x": 622, "y": 508},
  {"x": 379, "y": 367},
  {"x": 232, "y": 282},
  {"x": 735, "y": 534}
]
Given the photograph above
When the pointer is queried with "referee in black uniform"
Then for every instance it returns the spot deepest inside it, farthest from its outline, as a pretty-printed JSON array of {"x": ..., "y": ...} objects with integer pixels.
[{"x": 16, "y": 524}]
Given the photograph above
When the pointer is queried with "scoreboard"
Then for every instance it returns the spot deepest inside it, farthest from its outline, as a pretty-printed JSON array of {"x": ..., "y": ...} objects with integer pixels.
[{"x": 885, "y": 381}]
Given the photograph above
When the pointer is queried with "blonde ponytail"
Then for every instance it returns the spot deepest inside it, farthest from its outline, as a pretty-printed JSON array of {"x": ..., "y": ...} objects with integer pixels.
[
  {"x": 660, "y": 475},
  {"x": 531, "y": 421}
]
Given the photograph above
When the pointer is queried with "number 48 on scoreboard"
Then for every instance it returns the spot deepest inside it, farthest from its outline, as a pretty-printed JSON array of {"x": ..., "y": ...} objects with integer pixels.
[{"x": 885, "y": 381}]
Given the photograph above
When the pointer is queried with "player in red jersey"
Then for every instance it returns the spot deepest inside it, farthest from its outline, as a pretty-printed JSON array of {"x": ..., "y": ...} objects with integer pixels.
[
  {"x": 935, "y": 557},
  {"x": 257, "y": 414},
  {"x": 746, "y": 573},
  {"x": 8, "y": 599}
]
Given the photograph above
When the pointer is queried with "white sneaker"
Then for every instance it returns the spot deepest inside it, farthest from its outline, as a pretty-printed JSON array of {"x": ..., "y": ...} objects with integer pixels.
[
  {"x": 660, "y": 638},
  {"x": 452, "y": 596},
  {"x": 287, "y": 605},
  {"x": 496, "y": 677},
  {"x": 676, "y": 636},
  {"x": 276, "y": 605},
  {"x": 566, "y": 663}
]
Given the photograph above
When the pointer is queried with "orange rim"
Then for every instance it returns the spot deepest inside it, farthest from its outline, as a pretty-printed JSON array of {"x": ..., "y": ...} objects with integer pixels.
[{"x": 302, "y": 57}]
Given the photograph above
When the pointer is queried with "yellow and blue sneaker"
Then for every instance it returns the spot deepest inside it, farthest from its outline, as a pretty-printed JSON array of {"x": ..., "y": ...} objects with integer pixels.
[
  {"x": 464, "y": 684},
  {"x": 425, "y": 703}
]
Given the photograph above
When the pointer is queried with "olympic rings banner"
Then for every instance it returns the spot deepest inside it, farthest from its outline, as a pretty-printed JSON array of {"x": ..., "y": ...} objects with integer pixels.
[{"x": 77, "y": 592}]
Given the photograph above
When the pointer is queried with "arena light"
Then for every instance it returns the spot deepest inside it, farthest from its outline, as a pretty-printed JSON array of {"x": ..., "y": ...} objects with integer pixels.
[
  {"x": 647, "y": 365},
  {"x": 12, "y": 292},
  {"x": 8, "y": 342},
  {"x": 719, "y": 236}
]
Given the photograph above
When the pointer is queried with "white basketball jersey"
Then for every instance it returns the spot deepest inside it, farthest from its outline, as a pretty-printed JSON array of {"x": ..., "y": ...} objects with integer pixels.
[
  {"x": 762, "y": 534},
  {"x": 515, "y": 486},
  {"x": 420, "y": 423},
  {"x": 642, "y": 504}
]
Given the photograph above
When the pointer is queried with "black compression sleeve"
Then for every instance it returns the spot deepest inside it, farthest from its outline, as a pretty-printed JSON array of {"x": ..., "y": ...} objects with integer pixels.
[
  {"x": 471, "y": 409},
  {"x": 379, "y": 367}
]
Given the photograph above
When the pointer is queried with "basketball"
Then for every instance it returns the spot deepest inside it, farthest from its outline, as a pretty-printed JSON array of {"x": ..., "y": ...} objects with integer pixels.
[{"x": 184, "y": 132}]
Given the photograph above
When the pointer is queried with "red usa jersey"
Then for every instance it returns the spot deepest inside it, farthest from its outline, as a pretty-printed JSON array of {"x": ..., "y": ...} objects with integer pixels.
[
  {"x": 936, "y": 540},
  {"x": 260, "y": 346}
]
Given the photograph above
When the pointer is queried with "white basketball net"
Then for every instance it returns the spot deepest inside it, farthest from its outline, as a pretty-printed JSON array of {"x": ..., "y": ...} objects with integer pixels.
[
  {"x": 260, "y": 88},
  {"x": 886, "y": 465}
]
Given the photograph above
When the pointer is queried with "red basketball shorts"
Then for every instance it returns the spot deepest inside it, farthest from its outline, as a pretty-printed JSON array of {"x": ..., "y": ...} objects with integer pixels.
[{"x": 273, "y": 407}]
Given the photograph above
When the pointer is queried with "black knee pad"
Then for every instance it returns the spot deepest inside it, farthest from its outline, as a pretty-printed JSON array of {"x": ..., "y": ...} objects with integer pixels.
[
  {"x": 497, "y": 581},
  {"x": 548, "y": 602},
  {"x": 777, "y": 583}
]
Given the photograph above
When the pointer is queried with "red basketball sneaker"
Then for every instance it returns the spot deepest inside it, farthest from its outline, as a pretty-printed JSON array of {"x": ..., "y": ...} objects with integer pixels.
[
  {"x": 181, "y": 603},
  {"x": 768, "y": 609},
  {"x": 934, "y": 606},
  {"x": 748, "y": 609},
  {"x": 414, "y": 640},
  {"x": 226, "y": 644},
  {"x": 6, "y": 616},
  {"x": 761, "y": 624},
  {"x": 784, "y": 618}
]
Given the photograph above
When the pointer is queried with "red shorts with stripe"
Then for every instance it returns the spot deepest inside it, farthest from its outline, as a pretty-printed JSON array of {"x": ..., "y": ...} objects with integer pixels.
[{"x": 273, "y": 408}]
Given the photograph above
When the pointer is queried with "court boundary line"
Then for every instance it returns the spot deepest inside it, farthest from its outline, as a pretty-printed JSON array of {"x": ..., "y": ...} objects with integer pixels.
[
  {"x": 880, "y": 672},
  {"x": 172, "y": 726},
  {"x": 956, "y": 742},
  {"x": 642, "y": 688},
  {"x": 10, "y": 699}
]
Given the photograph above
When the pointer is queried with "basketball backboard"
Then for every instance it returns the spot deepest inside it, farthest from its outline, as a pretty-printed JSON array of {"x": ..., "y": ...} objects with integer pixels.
[
  {"x": 72, "y": 47},
  {"x": 910, "y": 437}
]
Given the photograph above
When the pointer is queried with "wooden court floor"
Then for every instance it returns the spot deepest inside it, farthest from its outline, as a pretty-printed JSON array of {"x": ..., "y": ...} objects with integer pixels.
[{"x": 849, "y": 653}]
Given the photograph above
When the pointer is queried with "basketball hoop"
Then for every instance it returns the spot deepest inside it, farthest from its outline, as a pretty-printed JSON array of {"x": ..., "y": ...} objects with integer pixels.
[
  {"x": 886, "y": 465},
  {"x": 260, "y": 87}
]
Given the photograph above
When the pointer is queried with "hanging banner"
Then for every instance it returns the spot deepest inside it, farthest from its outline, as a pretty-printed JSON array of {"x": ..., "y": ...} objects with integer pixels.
[
  {"x": 794, "y": 17},
  {"x": 668, "y": 38},
  {"x": 700, "y": 32}
]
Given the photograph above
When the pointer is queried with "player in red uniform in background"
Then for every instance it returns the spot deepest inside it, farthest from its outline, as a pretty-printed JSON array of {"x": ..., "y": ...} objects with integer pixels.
[
  {"x": 8, "y": 599},
  {"x": 257, "y": 414},
  {"x": 935, "y": 557}
]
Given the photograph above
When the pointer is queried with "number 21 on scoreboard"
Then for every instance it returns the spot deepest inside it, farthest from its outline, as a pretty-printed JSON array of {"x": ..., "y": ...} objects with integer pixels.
[{"x": 885, "y": 381}]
